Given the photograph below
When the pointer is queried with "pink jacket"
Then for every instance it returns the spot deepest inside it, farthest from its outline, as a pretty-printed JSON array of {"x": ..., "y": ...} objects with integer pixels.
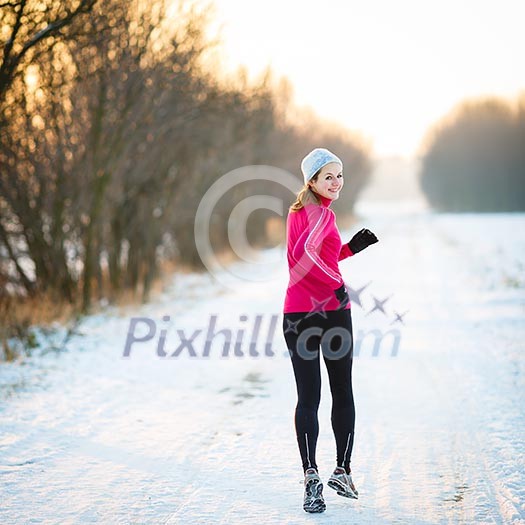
[{"x": 314, "y": 250}]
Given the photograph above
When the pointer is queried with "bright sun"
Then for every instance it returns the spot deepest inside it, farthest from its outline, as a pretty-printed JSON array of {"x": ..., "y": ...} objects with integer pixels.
[{"x": 386, "y": 69}]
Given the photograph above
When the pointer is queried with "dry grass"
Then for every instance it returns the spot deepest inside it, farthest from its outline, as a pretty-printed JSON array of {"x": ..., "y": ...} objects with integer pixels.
[
  {"x": 19, "y": 314},
  {"x": 42, "y": 310}
]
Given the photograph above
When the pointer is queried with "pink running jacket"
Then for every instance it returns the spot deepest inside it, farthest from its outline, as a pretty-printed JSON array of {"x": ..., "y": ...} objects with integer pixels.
[{"x": 314, "y": 250}]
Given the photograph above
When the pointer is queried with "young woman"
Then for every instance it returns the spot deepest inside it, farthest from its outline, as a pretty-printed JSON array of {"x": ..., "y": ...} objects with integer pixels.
[{"x": 317, "y": 315}]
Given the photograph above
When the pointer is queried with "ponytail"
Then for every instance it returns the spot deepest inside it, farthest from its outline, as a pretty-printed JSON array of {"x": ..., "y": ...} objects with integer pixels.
[{"x": 306, "y": 196}]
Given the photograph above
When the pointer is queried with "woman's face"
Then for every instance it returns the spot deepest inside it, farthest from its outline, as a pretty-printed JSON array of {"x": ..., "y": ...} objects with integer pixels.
[{"x": 330, "y": 181}]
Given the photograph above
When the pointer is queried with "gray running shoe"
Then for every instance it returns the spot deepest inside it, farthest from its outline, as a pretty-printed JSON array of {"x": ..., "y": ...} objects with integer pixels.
[
  {"x": 342, "y": 482},
  {"x": 313, "y": 492}
]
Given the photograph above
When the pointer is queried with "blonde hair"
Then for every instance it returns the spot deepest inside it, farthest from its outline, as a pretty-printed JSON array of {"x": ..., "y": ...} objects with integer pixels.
[{"x": 306, "y": 196}]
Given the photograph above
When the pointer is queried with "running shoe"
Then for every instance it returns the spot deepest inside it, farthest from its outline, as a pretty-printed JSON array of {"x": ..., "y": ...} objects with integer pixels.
[
  {"x": 313, "y": 492},
  {"x": 342, "y": 482}
]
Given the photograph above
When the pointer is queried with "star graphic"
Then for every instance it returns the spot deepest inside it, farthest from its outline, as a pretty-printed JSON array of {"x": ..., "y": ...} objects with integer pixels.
[
  {"x": 379, "y": 305},
  {"x": 292, "y": 326},
  {"x": 399, "y": 317},
  {"x": 315, "y": 308},
  {"x": 354, "y": 294}
]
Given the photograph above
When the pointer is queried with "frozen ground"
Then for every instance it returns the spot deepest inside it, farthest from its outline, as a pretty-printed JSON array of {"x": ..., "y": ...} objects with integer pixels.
[{"x": 88, "y": 436}]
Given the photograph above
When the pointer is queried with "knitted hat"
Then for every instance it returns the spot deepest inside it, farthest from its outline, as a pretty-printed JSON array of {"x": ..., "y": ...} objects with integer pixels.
[{"x": 315, "y": 160}]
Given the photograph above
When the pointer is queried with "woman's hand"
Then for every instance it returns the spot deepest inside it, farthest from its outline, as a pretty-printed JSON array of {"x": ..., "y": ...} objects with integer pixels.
[
  {"x": 342, "y": 296},
  {"x": 361, "y": 240}
]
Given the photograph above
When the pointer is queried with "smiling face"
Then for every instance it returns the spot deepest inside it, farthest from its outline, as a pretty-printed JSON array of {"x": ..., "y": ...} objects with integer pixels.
[{"x": 329, "y": 182}]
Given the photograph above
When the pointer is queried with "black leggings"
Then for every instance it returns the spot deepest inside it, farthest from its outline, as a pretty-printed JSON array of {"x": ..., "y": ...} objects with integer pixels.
[{"x": 305, "y": 333}]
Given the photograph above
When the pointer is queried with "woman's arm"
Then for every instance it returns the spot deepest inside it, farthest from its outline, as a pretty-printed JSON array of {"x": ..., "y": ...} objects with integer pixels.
[
  {"x": 307, "y": 249},
  {"x": 345, "y": 252}
]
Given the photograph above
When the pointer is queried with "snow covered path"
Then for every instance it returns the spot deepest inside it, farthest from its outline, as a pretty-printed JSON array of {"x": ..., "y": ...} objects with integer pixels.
[{"x": 89, "y": 436}]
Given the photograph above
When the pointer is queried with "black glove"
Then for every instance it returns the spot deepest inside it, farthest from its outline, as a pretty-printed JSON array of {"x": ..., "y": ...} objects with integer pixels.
[
  {"x": 342, "y": 296},
  {"x": 361, "y": 240}
]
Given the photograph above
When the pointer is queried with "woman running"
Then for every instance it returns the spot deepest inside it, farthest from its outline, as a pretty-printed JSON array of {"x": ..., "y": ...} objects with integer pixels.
[{"x": 317, "y": 315}]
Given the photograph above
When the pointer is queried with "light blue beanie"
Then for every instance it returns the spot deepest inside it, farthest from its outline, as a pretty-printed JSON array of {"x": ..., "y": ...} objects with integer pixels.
[{"x": 315, "y": 160}]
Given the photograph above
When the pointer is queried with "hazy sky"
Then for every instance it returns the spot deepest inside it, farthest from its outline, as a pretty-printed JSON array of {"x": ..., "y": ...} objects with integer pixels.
[{"x": 387, "y": 69}]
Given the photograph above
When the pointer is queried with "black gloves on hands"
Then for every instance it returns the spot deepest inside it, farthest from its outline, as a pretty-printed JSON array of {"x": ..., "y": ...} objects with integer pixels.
[
  {"x": 342, "y": 296},
  {"x": 361, "y": 240}
]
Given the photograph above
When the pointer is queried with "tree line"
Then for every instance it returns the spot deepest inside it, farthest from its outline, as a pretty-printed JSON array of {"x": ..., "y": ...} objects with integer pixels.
[
  {"x": 113, "y": 124},
  {"x": 474, "y": 159}
]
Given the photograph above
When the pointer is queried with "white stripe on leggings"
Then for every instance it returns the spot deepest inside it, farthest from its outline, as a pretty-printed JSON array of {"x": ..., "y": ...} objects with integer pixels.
[
  {"x": 347, "y": 445},
  {"x": 307, "y": 450}
]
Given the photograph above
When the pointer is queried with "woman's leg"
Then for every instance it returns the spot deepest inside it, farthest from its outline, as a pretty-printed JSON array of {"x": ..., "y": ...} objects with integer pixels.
[
  {"x": 307, "y": 372},
  {"x": 338, "y": 361}
]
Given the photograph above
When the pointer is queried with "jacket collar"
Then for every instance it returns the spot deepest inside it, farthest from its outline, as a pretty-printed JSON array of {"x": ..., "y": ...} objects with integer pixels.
[{"x": 325, "y": 201}]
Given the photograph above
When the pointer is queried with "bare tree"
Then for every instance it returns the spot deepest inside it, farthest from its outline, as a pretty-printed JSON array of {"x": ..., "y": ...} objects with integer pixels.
[
  {"x": 474, "y": 158},
  {"x": 33, "y": 27}
]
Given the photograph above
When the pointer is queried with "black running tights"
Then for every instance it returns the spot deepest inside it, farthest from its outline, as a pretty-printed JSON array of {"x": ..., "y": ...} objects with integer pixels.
[{"x": 305, "y": 335}]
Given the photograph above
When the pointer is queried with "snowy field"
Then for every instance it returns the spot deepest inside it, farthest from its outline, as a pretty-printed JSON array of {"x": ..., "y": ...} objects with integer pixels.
[{"x": 90, "y": 436}]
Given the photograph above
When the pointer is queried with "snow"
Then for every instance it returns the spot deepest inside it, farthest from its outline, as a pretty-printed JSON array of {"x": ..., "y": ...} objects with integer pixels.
[{"x": 90, "y": 436}]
